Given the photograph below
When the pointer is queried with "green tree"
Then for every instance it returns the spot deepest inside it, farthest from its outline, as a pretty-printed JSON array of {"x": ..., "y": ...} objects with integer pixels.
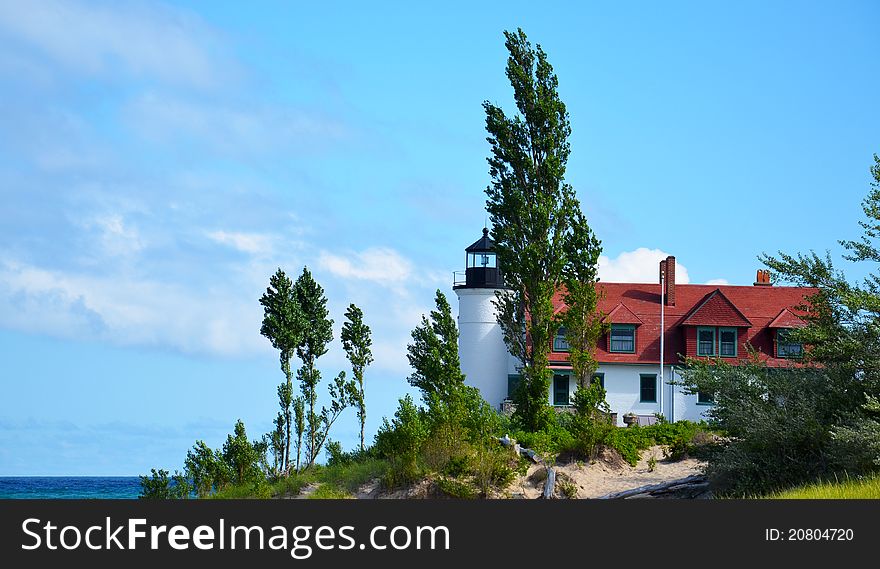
[
  {"x": 819, "y": 416},
  {"x": 299, "y": 424},
  {"x": 283, "y": 324},
  {"x": 342, "y": 395},
  {"x": 356, "y": 342},
  {"x": 201, "y": 468},
  {"x": 433, "y": 353},
  {"x": 318, "y": 332},
  {"x": 242, "y": 456},
  {"x": 581, "y": 320},
  {"x": 533, "y": 213}
]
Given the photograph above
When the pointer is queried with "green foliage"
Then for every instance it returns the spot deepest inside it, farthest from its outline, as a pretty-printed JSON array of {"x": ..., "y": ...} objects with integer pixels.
[
  {"x": 155, "y": 487},
  {"x": 317, "y": 333},
  {"x": 591, "y": 424},
  {"x": 400, "y": 442},
  {"x": 454, "y": 488},
  {"x": 779, "y": 422},
  {"x": 284, "y": 325},
  {"x": 433, "y": 353},
  {"x": 855, "y": 446},
  {"x": 581, "y": 319},
  {"x": 203, "y": 468},
  {"x": 243, "y": 457},
  {"x": 356, "y": 342},
  {"x": 847, "y": 488},
  {"x": 158, "y": 486},
  {"x": 349, "y": 477},
  {"x": 567, "y": 489},
  {"x": 535, "y": 218}
]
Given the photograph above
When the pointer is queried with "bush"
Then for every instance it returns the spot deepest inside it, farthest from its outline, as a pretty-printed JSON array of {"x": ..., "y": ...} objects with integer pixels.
[
  {"x": 158, "y": 486},
  {"x": 779, "y": 421},
  {"x": 454, "y": 488},
  {"x": 400, "y": 442}
]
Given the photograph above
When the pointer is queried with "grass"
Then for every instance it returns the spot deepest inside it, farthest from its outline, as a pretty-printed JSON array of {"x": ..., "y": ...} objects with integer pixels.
[
  {"x": 847, "y": 489},
  {"x": 337, "y": 481}
]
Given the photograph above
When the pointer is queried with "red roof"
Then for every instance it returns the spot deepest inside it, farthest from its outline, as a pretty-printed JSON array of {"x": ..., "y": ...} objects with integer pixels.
[
  {"x": 620, "y": 314},
  {"x": 787, "y": 319},
  {"x": 716, "y": 310},
  {"x": 751, "y": 309}
]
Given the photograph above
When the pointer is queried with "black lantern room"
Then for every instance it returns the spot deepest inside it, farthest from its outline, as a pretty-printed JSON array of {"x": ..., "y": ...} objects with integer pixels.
[{"x": 481, "y": 265}]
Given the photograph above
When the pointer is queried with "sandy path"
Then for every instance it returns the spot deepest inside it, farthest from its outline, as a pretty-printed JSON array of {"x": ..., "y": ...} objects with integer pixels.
[{"x": 606, "y": 476}]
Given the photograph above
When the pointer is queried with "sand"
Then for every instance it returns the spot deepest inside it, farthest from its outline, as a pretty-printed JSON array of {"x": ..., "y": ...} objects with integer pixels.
[{"x": 607, "y": 474}]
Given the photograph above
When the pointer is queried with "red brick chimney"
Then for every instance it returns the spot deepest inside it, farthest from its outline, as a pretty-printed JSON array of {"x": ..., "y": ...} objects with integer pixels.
[
  {"x": 667, "y": 269},
  {"x": 670, "y": 280},
  {"x": 762, "y": 278}
]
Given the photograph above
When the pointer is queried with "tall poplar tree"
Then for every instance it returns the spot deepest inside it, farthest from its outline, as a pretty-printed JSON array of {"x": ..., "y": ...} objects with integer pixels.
[
  {"x": 534, "y": 215},
  {"x": 318, "y": 332},
  {"x": 283, "y": 324},
  {"x": 356, "y": 342}
]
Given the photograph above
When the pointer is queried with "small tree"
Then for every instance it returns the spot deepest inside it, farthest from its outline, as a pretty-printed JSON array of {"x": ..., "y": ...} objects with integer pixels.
[
  {"x": 283, "y": 324},
  {"x": 202, "y": 468},
  {"x": 433, "y": 354},
  {"x": 342, "y": 394},
  {"x": 356, "y": 342},
  {"x": 242, "y": 456}
]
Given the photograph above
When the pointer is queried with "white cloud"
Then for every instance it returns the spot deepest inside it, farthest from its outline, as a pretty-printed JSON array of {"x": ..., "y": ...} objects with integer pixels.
[
  {"x": 718, "y": 282},
  {"x": 252, "y": 243},
  {"x": 128, "y": 311},
  {"x": 378, "y": 264},
  {"x": 99, "y": 38},
  {"x": 639, "y": 266},
  {"x": 116, "y": 237},
  {"x": 230, "y": 128}
]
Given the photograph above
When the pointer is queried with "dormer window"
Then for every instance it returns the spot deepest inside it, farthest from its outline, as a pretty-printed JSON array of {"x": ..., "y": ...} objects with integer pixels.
[
  {"x": 560, "y": 343},
  {"x": 716, "y": 341},
  {"x": 785, "y": 347},
  {"x": 705, "y": 341},
  {"x": 622, "y": 339}
]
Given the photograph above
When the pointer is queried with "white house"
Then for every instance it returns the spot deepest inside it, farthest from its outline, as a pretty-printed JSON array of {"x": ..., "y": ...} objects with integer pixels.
[{"x": 696, "y": 321}]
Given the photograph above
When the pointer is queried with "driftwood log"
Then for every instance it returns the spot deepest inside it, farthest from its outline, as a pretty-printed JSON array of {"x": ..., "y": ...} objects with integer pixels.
[
  {"x": 550, "y": 483},
  {"x": 526, "y": 452},
  {"x": 694, "y": 486}
]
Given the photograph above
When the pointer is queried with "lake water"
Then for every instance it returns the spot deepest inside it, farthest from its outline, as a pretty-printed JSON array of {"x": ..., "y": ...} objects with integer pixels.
[{"x": 70, "y": 487}]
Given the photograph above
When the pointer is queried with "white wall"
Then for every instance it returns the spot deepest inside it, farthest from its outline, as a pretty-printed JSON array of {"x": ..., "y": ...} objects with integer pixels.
[
  {"x": 623, "y": 383},
  {"x": 484, "y": 357}
]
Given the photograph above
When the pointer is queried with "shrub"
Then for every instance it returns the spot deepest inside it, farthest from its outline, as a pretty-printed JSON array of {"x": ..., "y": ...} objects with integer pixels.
[
  {"x": 400, "y": 442},
  {"x": 455, "y": 488}
]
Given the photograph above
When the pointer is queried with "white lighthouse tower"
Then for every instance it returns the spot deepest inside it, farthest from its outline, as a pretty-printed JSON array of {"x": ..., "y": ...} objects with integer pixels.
[{"x": 484, "y": 357}]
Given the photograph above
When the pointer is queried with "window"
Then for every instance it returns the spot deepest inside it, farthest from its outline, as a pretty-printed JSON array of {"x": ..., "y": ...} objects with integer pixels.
[
  {"x": 785, "y": 348},
  {"x": 513, "y": 381},
  {"x": 728, "y": 342},
  {"x": 623, "y": 338},
  {"x": 705, "y": 341},
  {"x": 560, "y": 344},
  {"x": 704, "y": 398},
  {"x": 648, "y": 388},
  {"x": 560, "y": 390},
  {"x": 599, "y": 378}
]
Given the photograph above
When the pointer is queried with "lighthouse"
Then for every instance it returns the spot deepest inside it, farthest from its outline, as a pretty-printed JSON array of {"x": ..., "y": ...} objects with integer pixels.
[{"x": 485, "y": 360}]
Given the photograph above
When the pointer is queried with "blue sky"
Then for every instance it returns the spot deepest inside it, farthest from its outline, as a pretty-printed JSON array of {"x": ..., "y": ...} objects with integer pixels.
[{"x": 159, "y": 161}]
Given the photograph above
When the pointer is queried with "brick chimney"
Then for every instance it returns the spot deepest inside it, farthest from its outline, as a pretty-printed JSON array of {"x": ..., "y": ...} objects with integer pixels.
[
  {"x": 763, "y": 278},
  {"x": 667, "y": 267}
]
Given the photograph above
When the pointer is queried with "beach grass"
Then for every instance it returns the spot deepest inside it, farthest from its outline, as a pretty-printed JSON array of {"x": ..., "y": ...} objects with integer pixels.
[{"x": 841, "y": 489}]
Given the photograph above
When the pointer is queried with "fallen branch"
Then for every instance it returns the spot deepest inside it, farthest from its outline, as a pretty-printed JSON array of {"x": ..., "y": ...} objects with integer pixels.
[
  {"x": 550, "y": 483},
  {"x": 695, "y": 481}
]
